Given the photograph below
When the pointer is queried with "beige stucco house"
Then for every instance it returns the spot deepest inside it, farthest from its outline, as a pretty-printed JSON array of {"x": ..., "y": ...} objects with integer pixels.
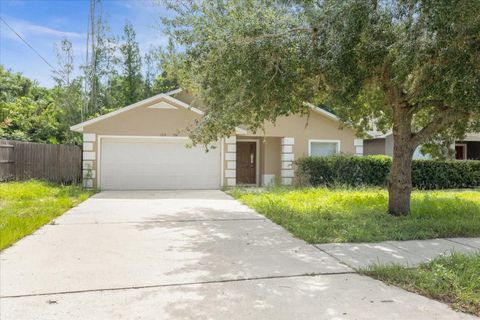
[{"x": 143, "y": 146}]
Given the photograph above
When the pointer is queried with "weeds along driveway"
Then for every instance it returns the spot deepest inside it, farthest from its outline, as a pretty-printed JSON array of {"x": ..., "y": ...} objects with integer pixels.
[{"x": 185, "y": 254}]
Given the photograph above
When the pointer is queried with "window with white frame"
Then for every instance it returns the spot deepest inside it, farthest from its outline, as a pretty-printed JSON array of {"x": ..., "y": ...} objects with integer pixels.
[{"x": 323, "y": 147}]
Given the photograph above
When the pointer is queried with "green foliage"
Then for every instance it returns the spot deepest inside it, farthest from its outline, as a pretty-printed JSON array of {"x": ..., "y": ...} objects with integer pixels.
[
  {"x": 319, "y": 215},
  {"x": 131, "y": 65},
  {"x": 252, "y": 61},
  {"x": 453, "y": 279},
  {"x": 27, "y": 112},
  {"x": 113, "y": 79},
  {"x": 374, "y": 171},
  {"x": 438, "y": 174},
  {"x": 345, "y": 170},
  {"x": 26, "y": 206}
]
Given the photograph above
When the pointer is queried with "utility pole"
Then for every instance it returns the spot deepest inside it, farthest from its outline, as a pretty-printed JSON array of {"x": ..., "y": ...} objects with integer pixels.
[{"x": 90, "y": 81}]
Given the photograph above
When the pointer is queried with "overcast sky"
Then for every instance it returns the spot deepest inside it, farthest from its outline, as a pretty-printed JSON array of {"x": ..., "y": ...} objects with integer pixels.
[{"x": 45, "y": 22}]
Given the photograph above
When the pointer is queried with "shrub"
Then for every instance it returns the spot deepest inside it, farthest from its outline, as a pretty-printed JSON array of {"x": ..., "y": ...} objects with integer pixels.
[
  {"x": 438, "y": 174},
  {"x": 374, "y": 170}
]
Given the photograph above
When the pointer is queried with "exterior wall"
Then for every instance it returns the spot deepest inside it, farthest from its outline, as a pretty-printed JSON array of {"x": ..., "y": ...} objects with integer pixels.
[
  {"x": 278, "y": 145},
  {"x": 379, "y": 146},
  {"x": 389, "y": 145},
  {"x": 144, "y": 121},
  {"x": 374, "y": 146},
  {"x": 229, "y": 173},
  {"x": 287, "y": 160},
  {"x": 305, "y": 128},
  {"x": 141, "y": 121},
  {"x": 288, "y": 140},
  {"x": 89, "y": 163},
  {"x": 269, "y": 162},
  {"x": 270, "y": 165}
]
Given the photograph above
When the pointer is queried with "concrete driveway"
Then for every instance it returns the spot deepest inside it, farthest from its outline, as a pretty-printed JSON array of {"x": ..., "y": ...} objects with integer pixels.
[{"x": 186, "y": 255}]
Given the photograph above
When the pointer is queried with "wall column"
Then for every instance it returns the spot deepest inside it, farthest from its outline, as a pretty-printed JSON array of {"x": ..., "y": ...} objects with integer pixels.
[
  {"x": 231, "y": 161},
  {"x": 88, "y": 159},
  {"x": 287, "y": 158},
  {"x": 358, "y": 143}
]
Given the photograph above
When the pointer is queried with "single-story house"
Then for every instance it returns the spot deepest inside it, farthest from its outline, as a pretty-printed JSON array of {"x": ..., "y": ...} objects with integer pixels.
[
  {"x": 143, "y": 146},
  {"x": 466, "y": 149}
]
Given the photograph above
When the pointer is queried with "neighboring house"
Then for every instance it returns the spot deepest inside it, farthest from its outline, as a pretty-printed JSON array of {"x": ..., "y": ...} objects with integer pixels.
[
  {"x": 143, "y": 146},
  {"x": 466, "y": 149}
]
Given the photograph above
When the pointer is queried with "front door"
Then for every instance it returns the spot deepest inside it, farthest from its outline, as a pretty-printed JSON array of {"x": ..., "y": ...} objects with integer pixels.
[
  {"x": 246, "y": 162},
  {"x": 460, "y": 152}
]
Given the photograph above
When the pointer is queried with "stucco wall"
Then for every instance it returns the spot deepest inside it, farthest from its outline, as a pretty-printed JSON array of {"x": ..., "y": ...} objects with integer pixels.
[
  {"x": 271, "y": 160},
  {"x": 301, "y": 128},
  {"x": 389, "y": 145},
  {"x": 141, "y": 121},
  {"x": 374, "y": 146},
  {"x": 145, "y": 121},
  {"x": 315, "y": 127}
]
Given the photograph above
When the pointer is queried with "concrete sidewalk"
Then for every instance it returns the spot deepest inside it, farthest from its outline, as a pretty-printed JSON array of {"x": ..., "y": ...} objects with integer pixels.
[{"x": 407, "y": 253}]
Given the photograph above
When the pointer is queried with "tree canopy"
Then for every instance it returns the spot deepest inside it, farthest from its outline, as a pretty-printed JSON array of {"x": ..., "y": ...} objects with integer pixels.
[
  {"x": 253, "y": 61},
  {"x": 410, "y": 66}
]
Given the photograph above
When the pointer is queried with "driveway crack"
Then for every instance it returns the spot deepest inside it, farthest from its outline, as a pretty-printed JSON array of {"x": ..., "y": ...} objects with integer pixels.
[
  {"x": 160, "y": 221},
  {"x": 179, "y": 284}
]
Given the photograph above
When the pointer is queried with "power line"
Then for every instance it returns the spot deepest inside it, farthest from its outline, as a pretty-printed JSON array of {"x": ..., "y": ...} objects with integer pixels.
[{"x": 24, "y": 41}]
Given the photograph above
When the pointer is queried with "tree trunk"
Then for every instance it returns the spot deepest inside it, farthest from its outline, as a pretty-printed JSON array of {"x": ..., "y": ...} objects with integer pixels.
[{"x": 400, "y": 180}]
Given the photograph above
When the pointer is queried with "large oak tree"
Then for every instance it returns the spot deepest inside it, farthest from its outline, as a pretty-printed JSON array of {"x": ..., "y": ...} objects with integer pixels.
[{"x": 408, "y": 66}]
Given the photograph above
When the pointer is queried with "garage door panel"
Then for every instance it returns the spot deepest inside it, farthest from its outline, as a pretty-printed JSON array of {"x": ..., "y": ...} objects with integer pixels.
[{"x": 157, "y": 164}]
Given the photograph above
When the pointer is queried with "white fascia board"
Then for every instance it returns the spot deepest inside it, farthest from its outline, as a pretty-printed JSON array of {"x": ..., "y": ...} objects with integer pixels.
[
  {"x": 172, "y": 92},
  {"x": 239, "y": 130},
  {"x": 472, "y": 137},
  {"x": 182, "y": 104},
  {"x": 321, "y": 111},
  {"x": 385, "y": 135}
]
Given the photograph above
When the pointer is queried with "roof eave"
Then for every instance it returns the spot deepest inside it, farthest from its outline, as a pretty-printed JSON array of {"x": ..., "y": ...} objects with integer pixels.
[{"x": 322, "y": 111}]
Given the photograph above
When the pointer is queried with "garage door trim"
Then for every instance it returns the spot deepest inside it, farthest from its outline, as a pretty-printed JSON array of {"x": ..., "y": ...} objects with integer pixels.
[{"x": 164, "y": 138}]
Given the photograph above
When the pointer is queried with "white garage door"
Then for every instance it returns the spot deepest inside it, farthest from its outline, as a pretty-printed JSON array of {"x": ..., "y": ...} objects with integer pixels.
[{"x": 157, "y": 163}]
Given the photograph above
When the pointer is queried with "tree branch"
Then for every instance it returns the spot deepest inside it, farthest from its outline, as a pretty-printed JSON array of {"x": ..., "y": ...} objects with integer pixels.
[
  {"x": 440, "y": 122},
  {"x": 247, "y": 40}
]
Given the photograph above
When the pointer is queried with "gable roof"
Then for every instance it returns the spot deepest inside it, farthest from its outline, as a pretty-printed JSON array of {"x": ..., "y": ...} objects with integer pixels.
[
  {"x": 168, "y": 96},
  {"x": 162, "y": 96}
]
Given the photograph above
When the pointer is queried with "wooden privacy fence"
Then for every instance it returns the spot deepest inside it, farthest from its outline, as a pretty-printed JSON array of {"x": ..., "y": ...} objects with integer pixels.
[{"x": 28, "y": 160}]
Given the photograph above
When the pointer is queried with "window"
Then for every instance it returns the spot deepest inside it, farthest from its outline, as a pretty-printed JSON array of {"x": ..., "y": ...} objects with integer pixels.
[{"x": 323, "y": 147}]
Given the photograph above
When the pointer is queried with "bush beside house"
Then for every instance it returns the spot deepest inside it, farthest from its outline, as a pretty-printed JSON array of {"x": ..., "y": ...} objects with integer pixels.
[{"x": 374, "y": 170}]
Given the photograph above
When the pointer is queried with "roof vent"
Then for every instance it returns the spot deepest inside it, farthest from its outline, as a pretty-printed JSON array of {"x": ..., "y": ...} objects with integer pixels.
[{"x": 162, "y": 105}]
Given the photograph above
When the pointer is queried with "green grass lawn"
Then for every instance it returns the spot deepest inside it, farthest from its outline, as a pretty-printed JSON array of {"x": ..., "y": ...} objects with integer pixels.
[
  {"x": 320, "y": 215},
  {"x": 26, "y": 206},
  {"x": 454, "y": 279}
]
